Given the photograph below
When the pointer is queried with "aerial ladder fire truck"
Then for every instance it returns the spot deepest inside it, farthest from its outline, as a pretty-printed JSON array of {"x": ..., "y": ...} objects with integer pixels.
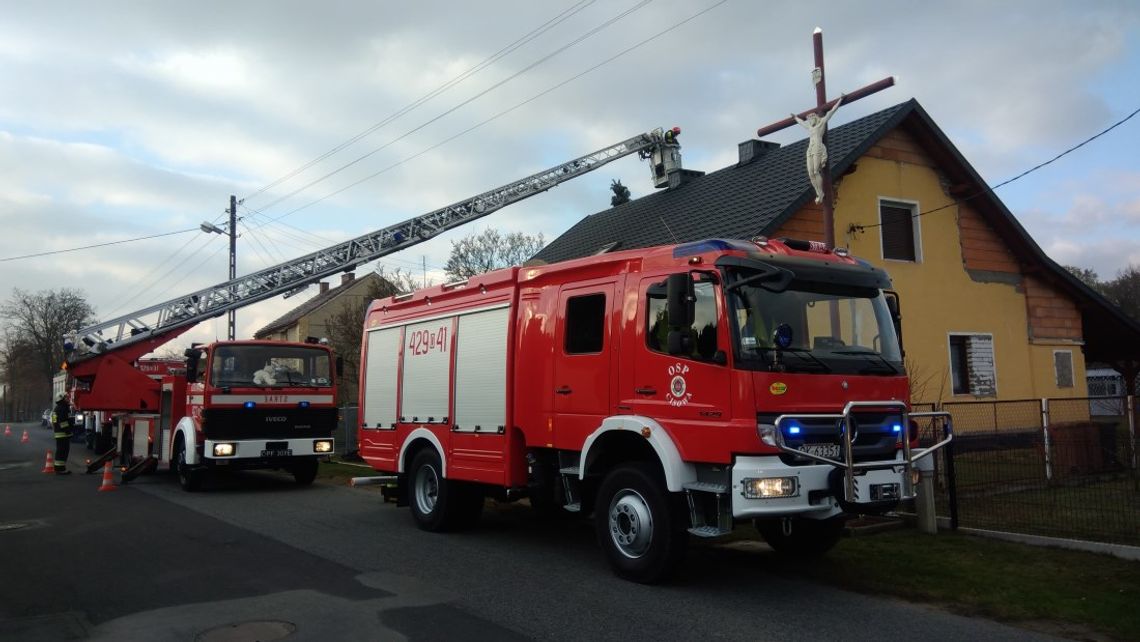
[{"x": 268, "y": 404}]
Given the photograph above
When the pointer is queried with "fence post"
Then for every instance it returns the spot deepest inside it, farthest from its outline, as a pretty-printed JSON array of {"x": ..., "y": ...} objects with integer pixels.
[
  {"x": 1131, "y": 404},
  {"x": 1045, "y": 433}
]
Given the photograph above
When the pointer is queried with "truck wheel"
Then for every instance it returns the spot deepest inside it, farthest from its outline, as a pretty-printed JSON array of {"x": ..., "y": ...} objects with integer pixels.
[
  {"x": 190, "y": 479},
  {"x": 638, "y": 524},
  {"x": 440, "y": 504},
  {"x": 305, "y": 472},
  {"x": 802, "y": 537}
]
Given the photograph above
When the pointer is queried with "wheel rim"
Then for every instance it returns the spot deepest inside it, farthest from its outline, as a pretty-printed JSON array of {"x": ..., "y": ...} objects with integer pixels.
[
  {"x": 427, "y": 489},
  {"x": 631, "y": 523}
]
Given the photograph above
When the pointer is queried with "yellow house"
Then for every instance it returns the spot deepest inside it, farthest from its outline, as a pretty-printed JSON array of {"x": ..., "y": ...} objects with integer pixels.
[{"x": 986, "y": 314}]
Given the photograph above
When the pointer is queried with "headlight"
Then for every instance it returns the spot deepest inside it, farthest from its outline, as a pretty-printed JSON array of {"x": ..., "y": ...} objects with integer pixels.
[
  {"x": 769, "y": 487},
  {"x": 223, "y": 450},
  {"x": 323, "y": 446}
]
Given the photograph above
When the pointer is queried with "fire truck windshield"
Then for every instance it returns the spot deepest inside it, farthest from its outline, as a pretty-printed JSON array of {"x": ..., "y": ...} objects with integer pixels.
[
  {"x": 269, "y": 366},
  {"x": 814, "y": 327}
]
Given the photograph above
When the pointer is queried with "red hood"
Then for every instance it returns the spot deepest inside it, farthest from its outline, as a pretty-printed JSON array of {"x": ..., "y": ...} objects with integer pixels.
[{"x": 802, "y": 392}]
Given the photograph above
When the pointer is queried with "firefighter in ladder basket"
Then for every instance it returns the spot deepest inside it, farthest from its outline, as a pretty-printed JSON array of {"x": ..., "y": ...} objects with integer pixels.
[{"x": 61, "y": 424}]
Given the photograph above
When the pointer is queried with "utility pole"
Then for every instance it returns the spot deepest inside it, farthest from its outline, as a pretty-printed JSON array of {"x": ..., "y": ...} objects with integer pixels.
[{"x": 232, "y": 314}]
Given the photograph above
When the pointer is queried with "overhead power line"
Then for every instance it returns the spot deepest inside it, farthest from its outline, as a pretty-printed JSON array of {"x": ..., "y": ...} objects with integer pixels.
[
  {"x": 989, "y": 190},
  {"x": 88, "y": 247},
  {"x": 461, "y": 104},
  {"x": 487, "y": 62},
  {"x": 504, "y": 112}
]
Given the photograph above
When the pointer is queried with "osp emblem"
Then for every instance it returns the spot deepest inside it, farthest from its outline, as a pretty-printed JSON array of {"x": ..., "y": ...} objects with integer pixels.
[{"x": 678, "y": 394}]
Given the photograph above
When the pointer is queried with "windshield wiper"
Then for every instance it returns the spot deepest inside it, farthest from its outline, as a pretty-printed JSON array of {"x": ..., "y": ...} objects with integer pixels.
[
  {"x": 872, "y": 356},
  {"x": 805, "y": 356}
]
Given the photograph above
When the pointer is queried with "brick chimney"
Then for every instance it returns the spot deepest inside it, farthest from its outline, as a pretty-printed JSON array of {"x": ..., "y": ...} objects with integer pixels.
[
  {"x": 347, "y": 278},
  {"x": 324, "y": 287}
]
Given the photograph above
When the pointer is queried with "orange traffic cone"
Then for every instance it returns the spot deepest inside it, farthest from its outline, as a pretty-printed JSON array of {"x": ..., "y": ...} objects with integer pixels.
[
  {"x": 108, "y": 478},
  {"x": 49, "y": 464},
  {"x": 24, "y": 439},
  {"x": 7, "y": 430}
]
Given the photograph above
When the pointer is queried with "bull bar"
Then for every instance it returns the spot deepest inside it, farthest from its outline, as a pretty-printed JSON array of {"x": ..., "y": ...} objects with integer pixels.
[{"x": 849, "y": 465}]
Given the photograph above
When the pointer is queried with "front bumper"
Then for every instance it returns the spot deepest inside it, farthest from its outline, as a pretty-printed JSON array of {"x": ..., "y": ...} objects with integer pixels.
[
  {"x": 262, "y": 453},
  {"x": 816, "y": 491}
]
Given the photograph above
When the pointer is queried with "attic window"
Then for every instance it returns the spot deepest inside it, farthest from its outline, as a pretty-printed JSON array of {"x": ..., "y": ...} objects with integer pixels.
[
  {"x": 899, "y": 231},
  {"x": 608, "y": 247}
]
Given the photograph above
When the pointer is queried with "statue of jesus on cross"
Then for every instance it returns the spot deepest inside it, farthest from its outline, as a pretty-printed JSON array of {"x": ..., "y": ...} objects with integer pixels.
[{"x": 817, "y": 150}]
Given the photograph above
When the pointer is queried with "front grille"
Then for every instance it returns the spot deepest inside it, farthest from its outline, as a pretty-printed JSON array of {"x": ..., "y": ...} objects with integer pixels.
[
  {"x": 874, "y": 437},
  {"x": 268, "y": 423}
]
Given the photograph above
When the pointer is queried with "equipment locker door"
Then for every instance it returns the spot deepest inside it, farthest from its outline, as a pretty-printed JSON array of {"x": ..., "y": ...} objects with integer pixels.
[{"x": 584, "y": 340}]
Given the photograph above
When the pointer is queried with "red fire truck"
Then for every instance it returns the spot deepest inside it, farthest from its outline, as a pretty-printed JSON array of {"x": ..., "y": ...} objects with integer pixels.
[
  {"x": 668, "y": 391},
  {"x": 231, "y": 405}
]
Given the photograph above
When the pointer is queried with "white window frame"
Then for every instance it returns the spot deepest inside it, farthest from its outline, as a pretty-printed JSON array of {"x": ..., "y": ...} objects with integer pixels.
[
  {"x": 950, "y": 360},
  {"x": 1072, "y": 370},
  {"x": 916, "y": 226}
]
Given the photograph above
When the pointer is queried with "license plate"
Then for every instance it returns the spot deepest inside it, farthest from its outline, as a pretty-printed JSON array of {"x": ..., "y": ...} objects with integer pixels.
[
  {"x": 831, "y": 451},
  {"x": 288, "y": 452}
]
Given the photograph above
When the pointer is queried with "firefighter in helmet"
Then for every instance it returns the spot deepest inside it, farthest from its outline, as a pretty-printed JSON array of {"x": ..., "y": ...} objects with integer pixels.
[{"x": 61, "y": 423}]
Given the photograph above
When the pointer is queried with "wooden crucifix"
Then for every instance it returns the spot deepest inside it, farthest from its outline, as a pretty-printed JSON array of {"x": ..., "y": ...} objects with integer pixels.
[{"x": 816, "y": 124}]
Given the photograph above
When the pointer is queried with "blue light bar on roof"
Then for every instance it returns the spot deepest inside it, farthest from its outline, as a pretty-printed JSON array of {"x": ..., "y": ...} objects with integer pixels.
[{"x": 710, "y": 245}]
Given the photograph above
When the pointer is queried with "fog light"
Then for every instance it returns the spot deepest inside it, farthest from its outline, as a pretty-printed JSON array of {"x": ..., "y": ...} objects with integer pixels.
[
  {"x": 323, "y": 446},
  {"x": 223, "y": 450},
  {"x": 769, "y": 487}
]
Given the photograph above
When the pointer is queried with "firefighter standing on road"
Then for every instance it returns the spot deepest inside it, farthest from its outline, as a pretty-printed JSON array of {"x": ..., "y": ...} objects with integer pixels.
[{"x": 61, "y": 423}]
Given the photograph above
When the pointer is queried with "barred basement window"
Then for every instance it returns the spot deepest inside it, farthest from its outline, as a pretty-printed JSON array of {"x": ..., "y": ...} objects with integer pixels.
[
  {"x": 972, "y": 365},
  {"x": 1063, "y": 367},
  {"x": 899, "y": 230}
]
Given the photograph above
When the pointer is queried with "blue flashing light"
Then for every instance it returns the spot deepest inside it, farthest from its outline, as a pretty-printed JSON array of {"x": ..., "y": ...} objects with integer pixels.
[
  {"x": 793, "y": 430},
  {"x": 249, "y": 404},
  {"x": 303, "y": 404},
  {"x": 709, "y": 245},
  {"x": 896, "y": 428}
]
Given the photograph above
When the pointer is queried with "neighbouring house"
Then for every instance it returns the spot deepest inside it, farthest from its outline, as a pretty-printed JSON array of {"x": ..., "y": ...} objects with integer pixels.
[
  {"x": 317, "y": 317},
  {"x": 310, "y": 319},
  {"x": 986, "y": 314}
]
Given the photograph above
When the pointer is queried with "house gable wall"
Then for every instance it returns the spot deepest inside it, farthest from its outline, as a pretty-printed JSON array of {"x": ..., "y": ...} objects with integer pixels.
[{"x": 966, "y": 281}]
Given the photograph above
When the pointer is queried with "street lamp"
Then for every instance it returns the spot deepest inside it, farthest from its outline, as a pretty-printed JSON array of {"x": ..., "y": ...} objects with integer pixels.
[{"x": 210, "y": 228}]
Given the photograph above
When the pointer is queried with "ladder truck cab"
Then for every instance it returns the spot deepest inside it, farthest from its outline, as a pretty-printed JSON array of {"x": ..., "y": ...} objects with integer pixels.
[
  {"x": 232, "y": 405},
  {"x": 669, "y": 391}
]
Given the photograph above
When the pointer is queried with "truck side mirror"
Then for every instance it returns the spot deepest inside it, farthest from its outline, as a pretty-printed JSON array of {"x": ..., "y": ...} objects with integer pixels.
[
  {"x": 680, "y": 301},
  {"x": 340, "y": 366},
  {"x": 192, "y": 357},
  {"x": 892, "y": 299}
]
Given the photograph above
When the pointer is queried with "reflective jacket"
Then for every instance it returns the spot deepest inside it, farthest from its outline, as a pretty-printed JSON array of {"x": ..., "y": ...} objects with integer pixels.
[{"x": 61, "y": 420}]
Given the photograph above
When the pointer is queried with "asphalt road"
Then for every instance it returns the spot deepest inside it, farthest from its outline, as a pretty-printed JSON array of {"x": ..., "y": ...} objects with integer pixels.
[{"x": 254, "y": 557}]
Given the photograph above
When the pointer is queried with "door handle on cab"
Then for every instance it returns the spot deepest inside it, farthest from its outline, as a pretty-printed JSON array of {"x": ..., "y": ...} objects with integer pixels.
[
  {"x": 564, "y": 390},
  {"x": 645, "y": 391}
]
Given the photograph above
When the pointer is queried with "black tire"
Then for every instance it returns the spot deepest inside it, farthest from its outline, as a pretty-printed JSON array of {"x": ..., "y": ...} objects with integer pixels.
[
  {"x": 440, "y": 504},
  {"x": 639, "y": 524},
  {"x": 190, "y": 479},
  {"x": 304, "y": 472},
  {"x": 805, "y": 538}
]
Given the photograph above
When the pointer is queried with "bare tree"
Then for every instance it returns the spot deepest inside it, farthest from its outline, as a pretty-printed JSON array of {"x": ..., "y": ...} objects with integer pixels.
[
  {"x": 479, "y": 253},
  {"x": 25, "y": 392},
  {"x": 1124, "y": 291},
  {"x": 44, "y": 317},
  {"x": 1087, "y": 275}
]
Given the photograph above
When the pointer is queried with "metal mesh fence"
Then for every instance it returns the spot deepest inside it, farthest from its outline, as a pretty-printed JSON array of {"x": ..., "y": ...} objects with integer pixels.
[{"x": 1062, "y": 468}]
